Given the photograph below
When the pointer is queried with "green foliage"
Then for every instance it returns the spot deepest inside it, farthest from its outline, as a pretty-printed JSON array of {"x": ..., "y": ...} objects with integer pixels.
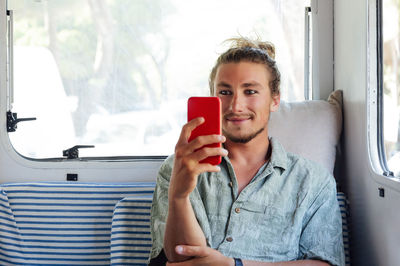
[{"x": 88, "y": 62}]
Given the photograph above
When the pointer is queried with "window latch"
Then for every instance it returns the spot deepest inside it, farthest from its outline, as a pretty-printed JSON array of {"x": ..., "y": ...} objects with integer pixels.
[
  {"x": 73, "y": 153},
  {"x": 12, "y": 121},
  {"x": 388, "y": 173}
]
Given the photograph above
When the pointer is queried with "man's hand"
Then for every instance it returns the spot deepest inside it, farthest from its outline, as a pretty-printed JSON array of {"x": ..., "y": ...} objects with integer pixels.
[
  {"x": 202, "y": 256},
  {"x": 188, "y": 155}
]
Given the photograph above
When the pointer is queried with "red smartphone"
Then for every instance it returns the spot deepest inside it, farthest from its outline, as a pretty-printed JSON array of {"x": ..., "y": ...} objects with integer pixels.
[{"x": 210, "y": 109}]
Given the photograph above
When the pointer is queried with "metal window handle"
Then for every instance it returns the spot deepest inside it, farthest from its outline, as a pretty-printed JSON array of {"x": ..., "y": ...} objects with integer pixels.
[
  {"x": 12, "y": 121},
  {"x": 73, "y": 153}
]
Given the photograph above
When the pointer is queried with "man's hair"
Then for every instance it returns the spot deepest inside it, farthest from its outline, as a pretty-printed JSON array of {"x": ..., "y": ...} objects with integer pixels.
[{"x": 247, "y": 50}]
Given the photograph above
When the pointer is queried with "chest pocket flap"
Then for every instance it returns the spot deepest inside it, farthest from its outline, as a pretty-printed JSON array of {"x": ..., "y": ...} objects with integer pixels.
[{"x": 254, "y": 207}]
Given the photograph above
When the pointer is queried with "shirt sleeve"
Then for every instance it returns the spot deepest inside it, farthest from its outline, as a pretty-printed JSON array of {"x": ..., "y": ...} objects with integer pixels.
[
  {"x": 321, "y": 238},
  {"x": 159, "y": 208}
]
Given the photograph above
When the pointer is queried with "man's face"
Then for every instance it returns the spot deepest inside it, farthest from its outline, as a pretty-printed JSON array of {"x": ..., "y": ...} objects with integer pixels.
[{"x": 246, "y": 100}]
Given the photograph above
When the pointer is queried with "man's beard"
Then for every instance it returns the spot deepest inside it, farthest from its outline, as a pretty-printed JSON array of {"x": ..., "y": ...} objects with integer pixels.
[{"x": 243, "y": 139}]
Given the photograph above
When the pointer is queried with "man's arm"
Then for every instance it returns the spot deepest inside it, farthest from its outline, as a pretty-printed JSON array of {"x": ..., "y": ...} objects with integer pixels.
[
  {"x": 286, "y": 263},
  {"x": 182, "y": 227},
  {"x": 209, "y": 256}
]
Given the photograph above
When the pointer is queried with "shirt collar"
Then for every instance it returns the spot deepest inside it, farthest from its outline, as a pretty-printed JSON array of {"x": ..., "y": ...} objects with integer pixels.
[{"x": 278, "y": 155}]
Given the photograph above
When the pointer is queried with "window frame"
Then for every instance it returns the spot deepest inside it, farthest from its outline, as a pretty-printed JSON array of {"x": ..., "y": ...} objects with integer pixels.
[
  {"x": 379, "y": 100},
  {"x": 374, "y": 99}
]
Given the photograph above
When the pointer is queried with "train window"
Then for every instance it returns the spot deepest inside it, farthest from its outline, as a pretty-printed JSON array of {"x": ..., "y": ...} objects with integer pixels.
[
  {"x": 391, "y": 83},
  {"x": 117, "y": 74}
]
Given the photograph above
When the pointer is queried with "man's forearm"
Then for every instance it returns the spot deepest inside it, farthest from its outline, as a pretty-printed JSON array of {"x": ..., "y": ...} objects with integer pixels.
[
  {"x": 286, "y": 263},
  {"x": 182, "y": 228},
  {"x": 207, "y": 256}
]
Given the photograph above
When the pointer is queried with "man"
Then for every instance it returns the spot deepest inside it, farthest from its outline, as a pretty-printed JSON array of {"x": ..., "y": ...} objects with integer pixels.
[{"x": 261, "y": 205}]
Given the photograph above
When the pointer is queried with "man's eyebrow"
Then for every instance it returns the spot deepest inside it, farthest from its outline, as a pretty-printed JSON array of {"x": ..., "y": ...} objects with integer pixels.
[
  {"x": 251, "y": 83},
  {"x": 223, "y": 84}
]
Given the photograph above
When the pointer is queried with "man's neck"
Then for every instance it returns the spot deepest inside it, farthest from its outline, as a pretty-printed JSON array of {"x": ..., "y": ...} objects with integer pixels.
[
  {"x": 253, "y": 152},
  {"x": 247, "y": 158}
]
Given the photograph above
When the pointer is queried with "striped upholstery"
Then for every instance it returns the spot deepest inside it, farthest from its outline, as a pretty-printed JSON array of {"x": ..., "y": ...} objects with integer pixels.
[
  {"x": 84, "y": 224},
  {"x": 131, "y": 240},
  {"x": 60, "y": 223},
  {"x": 344, "y": 210}
]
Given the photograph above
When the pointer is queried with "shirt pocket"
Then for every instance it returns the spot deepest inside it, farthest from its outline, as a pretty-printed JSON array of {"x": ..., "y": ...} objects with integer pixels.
[
  {"x": 254, "y": 207},
  {"x": 267, "y": 217}
]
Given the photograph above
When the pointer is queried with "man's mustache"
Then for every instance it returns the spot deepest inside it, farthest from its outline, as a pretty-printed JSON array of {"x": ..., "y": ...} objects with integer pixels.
[{"x": 231, "y": 116}]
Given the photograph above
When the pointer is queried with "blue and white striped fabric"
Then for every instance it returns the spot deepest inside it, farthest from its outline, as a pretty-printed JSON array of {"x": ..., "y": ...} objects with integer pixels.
[
  {"x": 60, "y": 223},
  {"x": 130, "y": 236},
  {"x": 344, "y": 210},
  {"x": 84, "y": 224}
]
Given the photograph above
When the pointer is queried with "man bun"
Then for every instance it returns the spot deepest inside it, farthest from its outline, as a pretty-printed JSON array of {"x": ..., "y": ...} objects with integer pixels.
[{"x": 241, "y": 42}]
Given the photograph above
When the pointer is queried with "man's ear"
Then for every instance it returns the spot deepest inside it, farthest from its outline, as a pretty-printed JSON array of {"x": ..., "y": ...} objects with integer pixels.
[{"x": 276, "y": 100}]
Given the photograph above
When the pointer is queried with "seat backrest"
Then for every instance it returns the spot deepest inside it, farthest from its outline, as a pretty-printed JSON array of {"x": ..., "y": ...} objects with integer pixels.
[
  {"x": 130, "y": 231},
  {"x": 310, "y": 128},
  {"x": 60, "y": 223}
]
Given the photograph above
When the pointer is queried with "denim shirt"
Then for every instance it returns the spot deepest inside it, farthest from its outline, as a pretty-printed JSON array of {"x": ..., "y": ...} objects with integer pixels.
[{"x": 289, "y": 211}]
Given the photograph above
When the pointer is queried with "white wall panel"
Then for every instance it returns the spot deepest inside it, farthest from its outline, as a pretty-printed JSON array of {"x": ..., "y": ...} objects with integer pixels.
[{"x": 375, "y": 220}]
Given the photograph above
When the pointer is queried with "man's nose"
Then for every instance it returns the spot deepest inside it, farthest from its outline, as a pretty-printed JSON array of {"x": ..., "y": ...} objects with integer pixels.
[{"x": 237, "y": 103}]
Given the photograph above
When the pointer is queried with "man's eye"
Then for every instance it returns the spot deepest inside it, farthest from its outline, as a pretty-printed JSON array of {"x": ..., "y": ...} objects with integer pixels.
[
  {"x": 225, "y": 92},
  {"x": 250, "y": 92}
]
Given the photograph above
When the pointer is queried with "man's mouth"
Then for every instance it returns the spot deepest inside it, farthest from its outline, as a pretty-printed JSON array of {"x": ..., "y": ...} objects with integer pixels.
[{"x": 237, "y": 118}]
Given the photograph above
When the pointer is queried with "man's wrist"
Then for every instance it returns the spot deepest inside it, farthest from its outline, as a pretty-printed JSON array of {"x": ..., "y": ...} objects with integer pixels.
[{"x": 172, "y": 200}]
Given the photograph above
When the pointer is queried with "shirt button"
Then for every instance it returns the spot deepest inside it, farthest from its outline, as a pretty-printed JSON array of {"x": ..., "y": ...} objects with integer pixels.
[
  {"x": 229, "y": 239},
  {"x": 237, "y": 210}
]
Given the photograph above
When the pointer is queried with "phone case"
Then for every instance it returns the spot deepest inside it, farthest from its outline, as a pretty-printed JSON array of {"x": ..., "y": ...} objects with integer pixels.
[{"x": 210, "y": 109}]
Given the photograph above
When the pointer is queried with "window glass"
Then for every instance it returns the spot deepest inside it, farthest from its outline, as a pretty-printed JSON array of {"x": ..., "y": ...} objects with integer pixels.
[
  {"x": 391, "y": 83},
  {"x": 117, "y": 74}
]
